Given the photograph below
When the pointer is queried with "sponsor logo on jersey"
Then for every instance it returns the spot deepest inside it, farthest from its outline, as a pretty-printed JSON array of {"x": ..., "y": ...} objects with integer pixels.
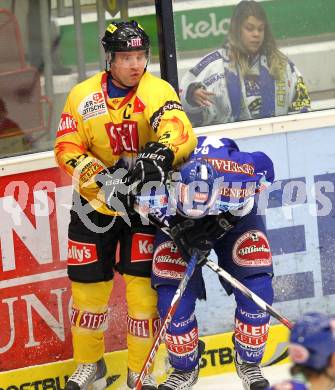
[
  {"x": 80, "y": 253},
  {"x": 182, "y": 344},
  {"x": 238, "y": 193},
  {"x": 89, "y": 170},
  {"x": 67, "y": 125},
  {"x": 231, "y": 166},
  {"x": 260, "y": 314},
  {"x": 251, "y": 335},
  {"x": 157, "y": 115},
  {"x": 168, "y": 262},
  {"x": 92, "y": 106},
  {"x": 196, "y": 70},
  {"x": 156, "y": 323},
  {"x": 142, "y": 247},
  {"x": 181, "y": 324},
  {"x": 252, "y": 85},
  {"x": 174, "y": 133},
  {"x": 123, "y": 137},
  {"x": 252, "y": 249},
  {"x": 213, "y": 78},
  {"x": 139, "y": 328},
  {"x": 87, "y": 320},
  {"x": 76, "y": 160}
]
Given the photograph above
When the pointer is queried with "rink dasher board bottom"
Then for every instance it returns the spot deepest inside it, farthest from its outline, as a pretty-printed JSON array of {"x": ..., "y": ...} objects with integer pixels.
[{"x": 216, "y": 360}]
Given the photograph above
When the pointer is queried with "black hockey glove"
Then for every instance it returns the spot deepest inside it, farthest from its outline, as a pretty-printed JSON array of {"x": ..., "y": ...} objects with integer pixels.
[
  {"x": 218, "y": 225},
  {"x": 152, "y": 165},
  {"x": 114, "y": 183},
  {"x": 199, "y": 234}
]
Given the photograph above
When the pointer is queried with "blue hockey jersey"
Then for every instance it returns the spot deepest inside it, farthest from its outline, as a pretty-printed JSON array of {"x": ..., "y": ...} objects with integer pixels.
[{"x": 242, "y": 174}]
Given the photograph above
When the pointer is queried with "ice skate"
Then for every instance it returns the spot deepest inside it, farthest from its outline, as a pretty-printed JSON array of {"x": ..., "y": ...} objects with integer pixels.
[
  {"x": 181, "y": 380},
  {"x": 88, "y": 376},
  {"x": 149, "y": 382},
  {"x": 251, "y": 375}
]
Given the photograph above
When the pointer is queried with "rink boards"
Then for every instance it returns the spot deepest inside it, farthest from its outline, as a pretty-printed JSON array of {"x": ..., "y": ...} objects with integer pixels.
[
  {"x": 35, "y": 299},
  {"x": 217, "y": 359}
]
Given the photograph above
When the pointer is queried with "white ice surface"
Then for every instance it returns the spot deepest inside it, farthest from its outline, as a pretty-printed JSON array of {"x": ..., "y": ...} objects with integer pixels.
[{"x": 231, "y": 381}]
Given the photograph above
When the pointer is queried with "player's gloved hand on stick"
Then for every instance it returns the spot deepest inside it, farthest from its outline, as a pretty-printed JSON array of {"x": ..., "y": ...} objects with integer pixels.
[
  {"x": 188, "y": 235},
  {"x": 114, "y": 182},
  {"x": 218, "y": 225},
  {"x": 199, "y": 234},
  {"x": 152, "y": 165}
]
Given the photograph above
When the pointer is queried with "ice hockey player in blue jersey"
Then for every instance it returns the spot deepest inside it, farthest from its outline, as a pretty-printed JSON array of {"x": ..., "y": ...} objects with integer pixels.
[
  {"x": 214, "y": 198},
  {"x": 312, "y": 350}
]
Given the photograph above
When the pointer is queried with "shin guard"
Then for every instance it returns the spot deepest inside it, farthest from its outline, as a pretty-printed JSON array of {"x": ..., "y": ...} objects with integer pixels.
[
  {"x": 89, "y": 320},
  {"x": 182, "y": 334},
  {"x": 142, "y": 320},
  {"x": 251, "y": 322}
]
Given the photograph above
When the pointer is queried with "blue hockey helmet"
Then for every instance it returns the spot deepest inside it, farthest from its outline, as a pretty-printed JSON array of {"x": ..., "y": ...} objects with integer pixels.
[
  {"x": 312, "y": 340},
  {"x": 195, "y": 190}
]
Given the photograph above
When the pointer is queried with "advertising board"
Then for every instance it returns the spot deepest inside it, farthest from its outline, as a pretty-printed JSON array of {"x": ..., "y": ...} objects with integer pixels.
[{"x": 34, "y": 289}]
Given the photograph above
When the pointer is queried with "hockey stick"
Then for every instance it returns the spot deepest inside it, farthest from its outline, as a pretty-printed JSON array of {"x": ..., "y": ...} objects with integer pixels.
[
  {"x": 248, "y": 293},
  {"x": 167, "y": 319},
  {"x": 162, "y": 224}
]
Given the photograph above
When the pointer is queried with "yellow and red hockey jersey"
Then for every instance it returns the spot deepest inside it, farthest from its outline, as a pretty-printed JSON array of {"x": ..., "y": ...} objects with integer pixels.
[{"x": 96, "y": 131}]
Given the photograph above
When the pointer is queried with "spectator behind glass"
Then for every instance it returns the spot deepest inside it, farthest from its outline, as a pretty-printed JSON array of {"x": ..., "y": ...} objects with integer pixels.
[
  {"x": 12, "y": 139},
  {"x": 248, "y": 78}
]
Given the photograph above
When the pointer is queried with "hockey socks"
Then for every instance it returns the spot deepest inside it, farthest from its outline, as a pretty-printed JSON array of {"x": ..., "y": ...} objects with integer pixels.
[
  {"x": 252, "y": 323},
  {"x": 182, "y": 334}
]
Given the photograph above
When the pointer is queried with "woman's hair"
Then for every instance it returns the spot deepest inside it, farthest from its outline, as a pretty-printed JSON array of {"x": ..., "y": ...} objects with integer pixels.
[{"x": 237, "y": 52}]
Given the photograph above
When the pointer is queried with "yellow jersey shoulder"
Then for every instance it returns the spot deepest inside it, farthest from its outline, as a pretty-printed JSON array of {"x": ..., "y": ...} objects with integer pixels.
[
  {"x": 87, "y": 86},
  {"x": 152, "y": 87}
]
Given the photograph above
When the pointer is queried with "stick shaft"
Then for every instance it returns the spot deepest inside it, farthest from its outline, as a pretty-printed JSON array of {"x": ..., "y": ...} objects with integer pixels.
[
  {"x": 227, "y": 277},
  {"x": 248, "y": 293},
  {"x": 167, "y": 319}
]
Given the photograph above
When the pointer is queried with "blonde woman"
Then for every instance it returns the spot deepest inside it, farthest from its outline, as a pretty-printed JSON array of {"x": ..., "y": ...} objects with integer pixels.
[{"x": 248, "y": 78}]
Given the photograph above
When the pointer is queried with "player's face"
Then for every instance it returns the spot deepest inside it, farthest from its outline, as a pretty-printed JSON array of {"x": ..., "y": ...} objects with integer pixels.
[
  {"x": 252, "y": 34},
  {"x": 128, "y": 67}
]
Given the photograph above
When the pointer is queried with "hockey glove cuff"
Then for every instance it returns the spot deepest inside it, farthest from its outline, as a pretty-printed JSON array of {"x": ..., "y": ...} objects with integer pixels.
[
  {"x": 188, "y": 236},
  {"x": 152, "y": 165},
  {"x": 114, "y": 184}
]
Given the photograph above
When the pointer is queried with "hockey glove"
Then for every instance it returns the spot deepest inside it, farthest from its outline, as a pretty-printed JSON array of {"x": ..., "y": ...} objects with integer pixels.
[
  {"x": 218, "y": 225},
  {"x": 199, "y": 234},
  {"x": 188, "y": 235},
  {"x": 152, "y": 165},
  {"x": 114, "y": 184}
]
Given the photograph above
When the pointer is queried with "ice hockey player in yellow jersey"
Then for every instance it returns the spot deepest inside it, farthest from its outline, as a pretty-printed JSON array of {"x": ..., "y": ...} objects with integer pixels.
[{"x": 121, "y": 128}]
